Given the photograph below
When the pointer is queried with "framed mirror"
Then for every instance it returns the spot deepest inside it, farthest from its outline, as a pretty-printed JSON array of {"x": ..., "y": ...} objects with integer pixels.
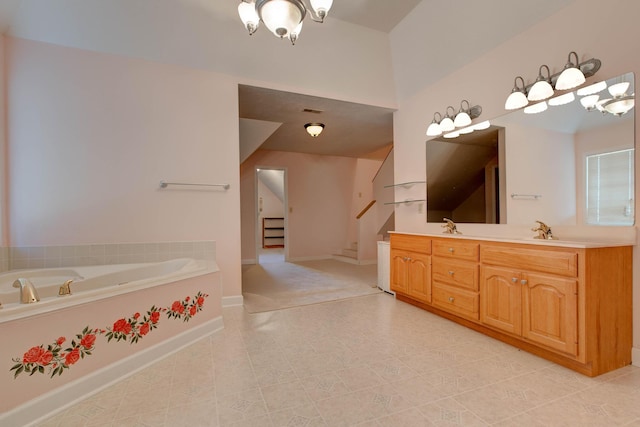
[{"x": 570, "y": 164}]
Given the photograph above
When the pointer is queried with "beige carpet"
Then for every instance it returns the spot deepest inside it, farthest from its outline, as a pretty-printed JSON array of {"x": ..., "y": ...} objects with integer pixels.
[{"x": 275, "y": 285}]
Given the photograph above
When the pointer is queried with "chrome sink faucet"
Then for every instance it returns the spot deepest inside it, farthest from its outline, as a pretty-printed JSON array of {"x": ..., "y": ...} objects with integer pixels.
[
  {"x": 28, "y": 292},
  {"x": 450, "y": 227},
  {"x": 543, "y": 230}
]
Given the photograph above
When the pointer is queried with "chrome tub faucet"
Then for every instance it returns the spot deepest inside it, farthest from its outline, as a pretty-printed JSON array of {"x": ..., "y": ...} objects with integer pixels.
[
  {"x": 28, "y": 292},
  {"x": 65, "y": 288}
]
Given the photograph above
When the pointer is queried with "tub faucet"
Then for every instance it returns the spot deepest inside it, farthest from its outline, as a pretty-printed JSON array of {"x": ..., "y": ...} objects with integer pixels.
[
  {"x": 28, "y": 292},
  {"x": 450, "y": 227},
  {"x": 544, "y": 231},
  {"x": 65, "y": 288}
]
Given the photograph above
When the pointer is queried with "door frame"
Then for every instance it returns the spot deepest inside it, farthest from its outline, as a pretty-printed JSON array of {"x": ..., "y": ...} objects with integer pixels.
[{"x": 285, "y": 202}]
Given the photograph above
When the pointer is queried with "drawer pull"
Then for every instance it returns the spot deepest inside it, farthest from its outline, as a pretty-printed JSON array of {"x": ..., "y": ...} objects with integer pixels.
[
  {"x": 451, "y": 299},
  {"x": 450, "y": 273},
  {"x": 523, "y": 282},
  {"x": 451, "y": 250},
  {"x": 514, "y": 279}
]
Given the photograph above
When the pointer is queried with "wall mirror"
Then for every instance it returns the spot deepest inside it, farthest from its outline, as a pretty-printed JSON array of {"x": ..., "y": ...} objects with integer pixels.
[{"x": 571, "y": 164}]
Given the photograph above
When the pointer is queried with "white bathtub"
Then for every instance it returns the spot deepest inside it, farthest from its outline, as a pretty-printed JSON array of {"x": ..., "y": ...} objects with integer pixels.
[{"x": 91, "y": 283}]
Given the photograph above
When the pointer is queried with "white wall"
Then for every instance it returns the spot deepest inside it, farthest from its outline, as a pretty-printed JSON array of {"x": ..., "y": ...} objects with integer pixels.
[
  {"x": 90, "y": 137},
  {"x": 590, "y": 27}
]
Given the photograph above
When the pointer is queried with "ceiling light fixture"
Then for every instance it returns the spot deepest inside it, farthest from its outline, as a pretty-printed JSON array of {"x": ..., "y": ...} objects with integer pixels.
[
  {"x": 573, "y": 75},
  {"x": 283, "y": 18},
  {"x": 314, "y": 129},
  {"x": 462, "y": 121}
]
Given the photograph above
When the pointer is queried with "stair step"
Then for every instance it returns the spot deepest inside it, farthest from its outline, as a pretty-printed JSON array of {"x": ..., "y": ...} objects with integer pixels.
[
  {"x": 351, "y": 253},
  {"x": 346, "y": 259}
]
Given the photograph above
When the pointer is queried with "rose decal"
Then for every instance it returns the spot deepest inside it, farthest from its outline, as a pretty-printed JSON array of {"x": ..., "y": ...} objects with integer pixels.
[{"x": 55, "y": 360}]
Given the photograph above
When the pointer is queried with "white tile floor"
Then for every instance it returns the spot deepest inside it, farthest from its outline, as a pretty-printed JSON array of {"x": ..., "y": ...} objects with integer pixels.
[{"x": 368, "y": 361}]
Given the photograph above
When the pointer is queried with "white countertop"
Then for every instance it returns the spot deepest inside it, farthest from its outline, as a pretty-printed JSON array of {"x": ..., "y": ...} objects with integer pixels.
[{"x": 527, "y": 240}]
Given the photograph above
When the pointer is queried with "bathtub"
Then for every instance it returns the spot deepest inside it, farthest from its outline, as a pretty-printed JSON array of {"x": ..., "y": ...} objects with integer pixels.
[
  {"x": 102, "y": 298},
  {"x": 90, "y": 283}
]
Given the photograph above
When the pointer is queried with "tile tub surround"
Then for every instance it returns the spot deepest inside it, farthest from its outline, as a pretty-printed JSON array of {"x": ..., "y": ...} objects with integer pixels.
[
  {"x": 351, "y": 362},
  {"x": 20, "y": 257}
]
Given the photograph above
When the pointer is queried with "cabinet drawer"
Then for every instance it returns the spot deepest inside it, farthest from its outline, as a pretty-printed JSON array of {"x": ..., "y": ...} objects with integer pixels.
[
  {"x": 456, "y": 301},
  {"x": 408, "y": 242},
  {"x": 455, "y": 249},
  {"x": 457, "y": 273},
  {"x": 548, "y": 260}
]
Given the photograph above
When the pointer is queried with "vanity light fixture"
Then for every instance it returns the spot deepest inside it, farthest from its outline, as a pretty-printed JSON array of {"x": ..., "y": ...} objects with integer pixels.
[
  {"x": 591, "y": 89},
  {"x": 518, "y": 97},
  {"x": 283, "y": 18},
  {"x": 562, "y": 99},
  {"x": 621, "y": 102},
  {"x": 573, "y": 75},
  {"x": 456, "y": 124},
  {"x": 314, "y": 129},
  {"x": 590, "y": 102},
  {"x": 542, "y": 88},
  {"x": 482, "y": 125}
]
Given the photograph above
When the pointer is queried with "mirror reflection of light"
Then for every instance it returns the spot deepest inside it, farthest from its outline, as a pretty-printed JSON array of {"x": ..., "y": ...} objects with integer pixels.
[
  {"x": 562, "y": 99},
  {"x": 536, "y": 108},
  {"x": 482, "y": 125},
  {"x": 591, "y": 89}
]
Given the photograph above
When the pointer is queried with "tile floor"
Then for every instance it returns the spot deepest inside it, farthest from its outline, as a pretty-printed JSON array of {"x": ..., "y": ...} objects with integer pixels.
[{"x": 367, "y": 361}]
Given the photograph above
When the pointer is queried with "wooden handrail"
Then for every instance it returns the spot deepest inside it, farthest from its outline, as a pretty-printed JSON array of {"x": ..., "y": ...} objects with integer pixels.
[{"x": 364, "y": 211}]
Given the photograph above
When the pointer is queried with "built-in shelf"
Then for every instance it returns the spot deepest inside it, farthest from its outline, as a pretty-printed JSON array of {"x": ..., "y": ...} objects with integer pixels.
[
  {"x": 405, "y": 184},
  {"x": 406, "y": 202},
  {"x": 273, "y": 232}
]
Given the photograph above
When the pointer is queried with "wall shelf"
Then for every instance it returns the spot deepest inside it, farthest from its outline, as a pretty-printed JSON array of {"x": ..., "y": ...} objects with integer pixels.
[{"x": 405, "y": 184}]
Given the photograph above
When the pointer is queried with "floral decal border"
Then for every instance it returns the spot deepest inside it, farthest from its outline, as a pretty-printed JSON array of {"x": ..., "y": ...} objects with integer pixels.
[{"x": 54, "y": 360}]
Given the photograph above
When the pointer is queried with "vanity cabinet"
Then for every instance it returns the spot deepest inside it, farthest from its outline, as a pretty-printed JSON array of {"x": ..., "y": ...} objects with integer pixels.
[
  {"x": 411, "y": 267},
  {"x": 568, "y": 303},
  {"x": 454, "y": 276}
]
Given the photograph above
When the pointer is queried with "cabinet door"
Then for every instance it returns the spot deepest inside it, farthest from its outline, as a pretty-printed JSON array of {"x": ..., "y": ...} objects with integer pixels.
[
  {"x": 501, "y": 299},
  {"x": 550, "y": 315},
  {"x": 419, "y": 280},
  {"x": 399, "y": 271}
]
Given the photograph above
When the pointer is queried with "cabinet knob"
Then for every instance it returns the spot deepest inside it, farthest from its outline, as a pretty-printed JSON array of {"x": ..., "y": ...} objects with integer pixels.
[
  {"x": 451, "y": 250},
  {"x": 514, "y": 279},
  {"x": 450, "y": 273},
  {"x": 523, "y": 282},
  {"x": 451, "y": 299}
]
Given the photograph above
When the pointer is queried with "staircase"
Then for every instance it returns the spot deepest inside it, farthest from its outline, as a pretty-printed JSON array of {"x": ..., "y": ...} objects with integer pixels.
[{"x": 349, "y": 254}]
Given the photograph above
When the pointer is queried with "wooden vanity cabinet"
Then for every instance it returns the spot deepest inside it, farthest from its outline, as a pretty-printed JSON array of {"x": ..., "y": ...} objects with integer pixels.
[
  {"x": 570, "y": 305},
  {"x": 454, "y": 277},
  {"x": 411, "y": 267}
]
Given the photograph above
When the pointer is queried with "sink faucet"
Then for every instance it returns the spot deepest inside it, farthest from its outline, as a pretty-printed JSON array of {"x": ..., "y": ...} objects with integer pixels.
[
  {"x": 65, "y": 288},
  {"x": 450, "y": 227},
  {"x": 28, "y": 292},
  {"x": 544, "y": 231}
]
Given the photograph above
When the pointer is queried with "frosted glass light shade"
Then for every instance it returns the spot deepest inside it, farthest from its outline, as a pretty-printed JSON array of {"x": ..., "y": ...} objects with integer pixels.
[
  {"x": 462, "y": 119},
  {"x": 562, "y": 99},
  {"x": 314, "y": 129},
  {"x": 536, "y": 108},
  {"x": 589, "y": 102},
  {"x": 591, "y": 89},
  {"x": 516, "y": 100},
  {"x": 281, "y": 16},
  {"x": 434, "y": 129},
  {"x": 249, "y": 16},
  {"x": 619, "y": 107},
  {"x": 466, "y": 130},
  {"x": 321, "y": 7},
  {"x": 570, "y": 78},
  {"x": 617, "y": 90},
  {"x": 447, "y": 125},
  {"x": 540, "y": 90},
  {"x": 451, "y": 135},
  {"x": 482, "y": 125}
]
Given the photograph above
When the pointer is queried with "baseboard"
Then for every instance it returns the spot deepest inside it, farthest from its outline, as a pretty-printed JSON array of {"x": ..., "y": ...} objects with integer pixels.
[
  {"x": 233, "y": 301},
  {"x": 69, "y": 394},
  {"x": 635, "y": 356},
  {"x": 309, "y": 258},
  {"x": 354, "y": 261},
  {"x": 248, "y": 261}
]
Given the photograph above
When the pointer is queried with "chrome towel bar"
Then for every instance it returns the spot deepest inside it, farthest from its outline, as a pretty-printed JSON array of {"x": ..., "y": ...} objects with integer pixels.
[{"x": 164, "y": 184}]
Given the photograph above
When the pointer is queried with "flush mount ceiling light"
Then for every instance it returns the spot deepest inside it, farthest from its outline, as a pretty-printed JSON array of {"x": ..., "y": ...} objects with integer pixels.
[
  {"x": 314, "y": 129},
  {"x": 283, "y": 18},
  {"x": 573, "y": 75},
  {"x": 461, "y": 124}
]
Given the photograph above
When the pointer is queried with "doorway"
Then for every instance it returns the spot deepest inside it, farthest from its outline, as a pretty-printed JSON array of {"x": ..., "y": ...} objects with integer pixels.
[{"x": 271, "y": 215}]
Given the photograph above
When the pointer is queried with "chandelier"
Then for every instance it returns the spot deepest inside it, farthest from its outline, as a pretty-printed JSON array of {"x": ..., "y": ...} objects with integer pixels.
[{"x": 283, "y": 18}]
